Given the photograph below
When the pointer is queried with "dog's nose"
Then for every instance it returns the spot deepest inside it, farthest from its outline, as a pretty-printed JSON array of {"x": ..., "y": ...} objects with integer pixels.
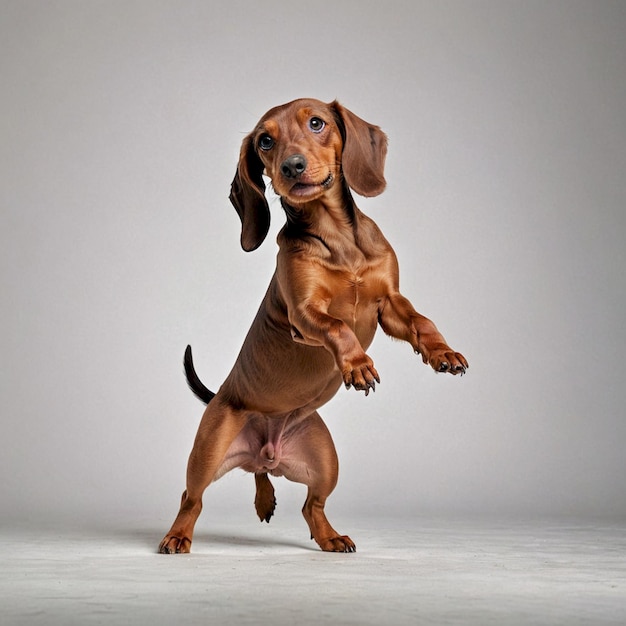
[{"x": 293, "y": 166}]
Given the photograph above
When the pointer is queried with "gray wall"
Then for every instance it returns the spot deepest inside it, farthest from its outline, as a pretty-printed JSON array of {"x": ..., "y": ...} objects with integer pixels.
[{"x": 120, "y": 128}]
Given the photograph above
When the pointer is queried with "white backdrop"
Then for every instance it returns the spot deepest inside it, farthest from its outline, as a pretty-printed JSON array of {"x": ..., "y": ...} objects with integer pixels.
[{"x": 120, "y": 128}]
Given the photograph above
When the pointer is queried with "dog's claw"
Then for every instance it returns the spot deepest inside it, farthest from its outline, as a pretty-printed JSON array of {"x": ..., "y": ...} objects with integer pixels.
[
  {"x": 361, "y": 377},
  {"x": 338, "y": 544},
  {"x": 175, "y": 545},
  {"x": 447, "y": 361}
]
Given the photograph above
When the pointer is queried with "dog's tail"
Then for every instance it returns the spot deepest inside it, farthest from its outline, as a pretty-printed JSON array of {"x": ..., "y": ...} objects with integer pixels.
[{"x": 195, "y": 384}]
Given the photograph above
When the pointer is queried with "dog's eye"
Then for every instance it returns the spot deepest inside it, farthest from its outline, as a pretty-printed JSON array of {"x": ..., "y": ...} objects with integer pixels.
[
  {"x": 316, "y": 124},
  {"x": 266, "y": 142}
]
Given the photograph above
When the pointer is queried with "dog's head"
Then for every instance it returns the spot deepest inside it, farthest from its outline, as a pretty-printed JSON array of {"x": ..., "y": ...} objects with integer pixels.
[{"x": 306, "y": 147}]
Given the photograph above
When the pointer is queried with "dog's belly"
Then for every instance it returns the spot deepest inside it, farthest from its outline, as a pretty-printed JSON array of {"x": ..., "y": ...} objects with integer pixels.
[
  {"x": 276, "y": 375},
  {"x": 278, "y": 446}
]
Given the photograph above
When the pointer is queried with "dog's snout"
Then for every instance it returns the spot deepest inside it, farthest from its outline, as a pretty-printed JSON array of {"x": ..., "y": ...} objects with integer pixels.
[{"x": 293, "y": 166}]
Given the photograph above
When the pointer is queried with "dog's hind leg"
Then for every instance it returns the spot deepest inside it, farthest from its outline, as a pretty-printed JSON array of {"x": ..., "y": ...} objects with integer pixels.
[
  {"x": 218, "y": 429},
  {"x": 264, "y": 501},
  {"x": 317, "y": 467}
]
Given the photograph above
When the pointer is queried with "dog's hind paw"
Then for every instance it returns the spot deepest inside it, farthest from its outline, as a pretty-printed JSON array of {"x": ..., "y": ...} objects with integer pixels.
[
  {"x": 175, "y": 545},
  {"x": 341, "y": 543},
  {"x": 264, "y": 501},
  {"x": 265, "y": 509}
]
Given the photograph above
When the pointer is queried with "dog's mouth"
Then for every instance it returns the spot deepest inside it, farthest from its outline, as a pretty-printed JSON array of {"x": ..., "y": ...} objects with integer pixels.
[
  {"x": 328, "y": 181},
  {"x": 305, "y": 188}
]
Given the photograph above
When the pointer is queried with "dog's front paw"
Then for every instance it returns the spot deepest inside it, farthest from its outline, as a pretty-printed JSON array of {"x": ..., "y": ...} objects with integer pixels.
[
  {"x": 446, "y": 360},
  {"x": 175, "y": 545},
  {"x": 361, "y": 374},
  {"x": 340, "y": 543}
]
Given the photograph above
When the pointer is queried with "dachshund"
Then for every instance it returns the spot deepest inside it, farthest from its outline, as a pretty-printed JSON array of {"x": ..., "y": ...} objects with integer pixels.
[{"x": 336, "y": 280}]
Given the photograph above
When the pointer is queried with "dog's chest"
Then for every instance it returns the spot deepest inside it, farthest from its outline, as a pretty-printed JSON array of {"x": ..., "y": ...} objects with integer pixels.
[
  {"x": 357, "y": 294},
  {"x": 359, "y": 277}
]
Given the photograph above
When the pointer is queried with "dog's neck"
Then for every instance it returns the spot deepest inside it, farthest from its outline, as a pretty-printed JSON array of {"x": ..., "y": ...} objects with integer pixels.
[{"x": 332, "y": 215}]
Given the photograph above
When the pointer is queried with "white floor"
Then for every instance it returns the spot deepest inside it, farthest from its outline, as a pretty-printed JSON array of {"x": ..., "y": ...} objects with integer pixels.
[{"x": 405, "y": 572}]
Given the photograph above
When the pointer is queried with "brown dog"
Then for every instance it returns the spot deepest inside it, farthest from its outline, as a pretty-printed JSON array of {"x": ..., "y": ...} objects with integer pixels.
[{"x": 336, "y": 280}]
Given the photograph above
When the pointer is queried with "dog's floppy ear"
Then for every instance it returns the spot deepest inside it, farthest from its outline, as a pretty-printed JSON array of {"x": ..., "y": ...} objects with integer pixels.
[
  {"x": 364, "y": 152},
  {"x": 247, "y": 194}
]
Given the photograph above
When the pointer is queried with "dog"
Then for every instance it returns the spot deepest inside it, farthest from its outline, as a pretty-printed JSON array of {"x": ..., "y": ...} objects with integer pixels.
[{"x": 336, "y": 281}]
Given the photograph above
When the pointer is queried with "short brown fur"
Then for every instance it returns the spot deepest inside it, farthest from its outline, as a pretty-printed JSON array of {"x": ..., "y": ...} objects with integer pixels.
[{"x": 336, "y": 280}]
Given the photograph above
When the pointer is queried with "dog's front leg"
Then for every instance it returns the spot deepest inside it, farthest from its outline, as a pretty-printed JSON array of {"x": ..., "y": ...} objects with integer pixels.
[
  {"x": 219, "y": 426},
  {"x": 400, "y": 320},
  {"x": 313, "y": 326},
  {"x": 307, "y": 292}
]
